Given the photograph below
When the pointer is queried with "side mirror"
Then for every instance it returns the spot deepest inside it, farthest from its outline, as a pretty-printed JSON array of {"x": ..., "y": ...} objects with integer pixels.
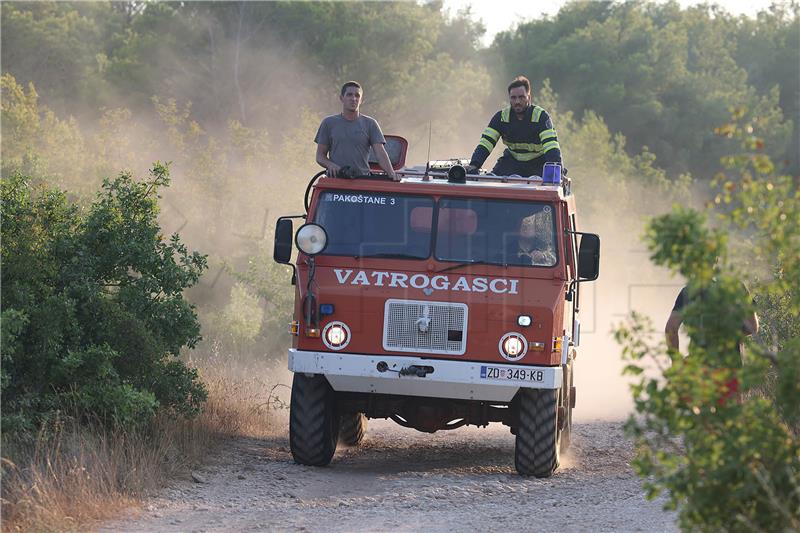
[
  {"x": 589, "y": 257},
  {"x": 284, "y": 231}
]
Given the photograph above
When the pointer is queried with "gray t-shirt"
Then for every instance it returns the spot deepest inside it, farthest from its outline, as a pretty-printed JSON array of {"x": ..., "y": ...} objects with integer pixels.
[{"x": 348, "y": 141}]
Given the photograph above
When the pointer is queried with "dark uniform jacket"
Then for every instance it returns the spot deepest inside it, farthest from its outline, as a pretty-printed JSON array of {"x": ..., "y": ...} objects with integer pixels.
[
  {"x": 530, "y": 140},
  {"x": 710, "y": 320}
]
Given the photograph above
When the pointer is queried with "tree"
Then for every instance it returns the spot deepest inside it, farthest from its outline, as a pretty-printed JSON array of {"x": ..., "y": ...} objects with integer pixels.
[
  {"x": 727, "y": 456},
  {"x": 661, "y": 75},
  {"x": 94, "y": 316},
  {"x": 767, "y": 48},
  {"x": 70, "y": 41}
]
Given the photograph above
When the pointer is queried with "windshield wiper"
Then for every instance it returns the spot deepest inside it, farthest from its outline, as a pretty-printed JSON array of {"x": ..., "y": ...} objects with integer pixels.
[
  {"x": 389, "y": 255},
  {"x": 465, "y": 263}
]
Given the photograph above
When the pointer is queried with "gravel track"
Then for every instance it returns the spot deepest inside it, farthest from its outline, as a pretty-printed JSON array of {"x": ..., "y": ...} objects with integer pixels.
[{"x": 400, "y": 479}]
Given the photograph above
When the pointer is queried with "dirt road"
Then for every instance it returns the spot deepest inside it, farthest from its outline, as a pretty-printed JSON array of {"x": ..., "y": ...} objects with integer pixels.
[{"x": 462, "y": 480}]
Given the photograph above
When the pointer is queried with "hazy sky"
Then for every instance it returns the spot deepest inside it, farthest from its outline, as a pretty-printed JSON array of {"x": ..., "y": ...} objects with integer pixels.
[{"x": 499, "y": 15}]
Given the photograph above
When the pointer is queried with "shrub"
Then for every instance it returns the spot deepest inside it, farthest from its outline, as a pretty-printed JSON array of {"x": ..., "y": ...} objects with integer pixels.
[
  {"x": 728, "y": 461},
  {"x": 93, "y": 310}
]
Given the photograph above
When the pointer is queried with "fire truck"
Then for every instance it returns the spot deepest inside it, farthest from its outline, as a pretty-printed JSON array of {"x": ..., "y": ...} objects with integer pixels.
[{"x": 439, "y": 300}]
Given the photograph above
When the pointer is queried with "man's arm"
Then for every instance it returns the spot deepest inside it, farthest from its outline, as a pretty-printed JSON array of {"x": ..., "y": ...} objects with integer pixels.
[
  {"x": 751, "y": 324},
  {"x": 489, "y": 139},
  {"x": 384, "y": 161},
  {"x": 674, "y": 321},
  {"x": 671, "y": 330},
  {"x": 549, "y": 140},
  {"x": 323, "y": 161}
]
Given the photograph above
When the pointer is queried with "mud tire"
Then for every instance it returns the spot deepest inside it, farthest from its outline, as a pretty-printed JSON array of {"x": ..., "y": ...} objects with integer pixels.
[
  {"x": 351, "y": 428},
  {"x": 536, "y": 451},
  {"x": 566, "y": 432},
  {"x": 313, "y": 421}
]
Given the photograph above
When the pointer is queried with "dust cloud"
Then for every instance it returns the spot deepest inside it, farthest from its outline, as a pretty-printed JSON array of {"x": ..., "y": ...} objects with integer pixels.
[
  {"x": 628, "y": 282},
  {"x": 225, "y": 203}
]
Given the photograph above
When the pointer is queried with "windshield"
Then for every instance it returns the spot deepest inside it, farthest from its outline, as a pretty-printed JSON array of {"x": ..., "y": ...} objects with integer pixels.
[
  {"x": 370, "y": 225},
  {"x": 496, "y": 231},
  {"x": 468, "y": 230}
]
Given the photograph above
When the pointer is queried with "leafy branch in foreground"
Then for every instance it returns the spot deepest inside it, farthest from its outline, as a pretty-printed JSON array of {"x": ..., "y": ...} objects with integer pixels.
[
  {"x": 727, "y": 456},
  {"x": 93, "y": 309}
]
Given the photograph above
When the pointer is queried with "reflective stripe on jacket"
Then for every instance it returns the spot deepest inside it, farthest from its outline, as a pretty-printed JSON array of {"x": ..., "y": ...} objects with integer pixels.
[{"x": 527, "y": 139}]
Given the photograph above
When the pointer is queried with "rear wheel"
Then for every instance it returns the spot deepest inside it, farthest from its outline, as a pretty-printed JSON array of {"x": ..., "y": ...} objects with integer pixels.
[
  {"x": 536, "y": 452},
  {"x": 313, "y": 421},
  {"x": 351, "y": 428}
]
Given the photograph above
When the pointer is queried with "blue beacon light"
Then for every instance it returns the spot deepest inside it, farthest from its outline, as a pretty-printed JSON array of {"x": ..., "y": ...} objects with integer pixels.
[{"x": 551, "y": 173}]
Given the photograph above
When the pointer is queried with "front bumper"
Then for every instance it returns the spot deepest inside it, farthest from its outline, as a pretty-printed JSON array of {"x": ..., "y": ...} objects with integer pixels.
[{"x": 466, "y": 380}]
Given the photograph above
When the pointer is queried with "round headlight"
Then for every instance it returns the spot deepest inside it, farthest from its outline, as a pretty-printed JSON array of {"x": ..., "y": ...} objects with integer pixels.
[
  {"x": 513, "y": 346},
  {"x": 336, "y": 335},
  {"x": 311, "y": 239}
]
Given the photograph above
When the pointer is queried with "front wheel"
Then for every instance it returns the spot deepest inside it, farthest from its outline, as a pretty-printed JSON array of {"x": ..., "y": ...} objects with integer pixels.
[
  {"x": 313, "y": 421},
  {"x": 536, "y": 452},
  {"x": 568, "y": 402}
]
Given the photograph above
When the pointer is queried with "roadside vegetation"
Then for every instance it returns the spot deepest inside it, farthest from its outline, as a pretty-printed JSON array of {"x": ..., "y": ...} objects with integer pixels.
[
  {"x": 97, "y": 406},
  {"x": 722, "y": 440},
  {"x": 71, "y": 474},
  {"x": 123, "y": 349}
]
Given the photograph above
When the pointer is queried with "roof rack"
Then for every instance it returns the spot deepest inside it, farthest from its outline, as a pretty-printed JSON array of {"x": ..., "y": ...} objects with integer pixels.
[
  {"x": 437, "y": 170},
  {"x": 438, "y": 174}
]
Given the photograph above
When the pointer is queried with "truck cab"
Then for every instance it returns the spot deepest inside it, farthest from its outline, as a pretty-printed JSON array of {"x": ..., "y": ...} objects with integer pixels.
[{"x": 438, "y": 301}]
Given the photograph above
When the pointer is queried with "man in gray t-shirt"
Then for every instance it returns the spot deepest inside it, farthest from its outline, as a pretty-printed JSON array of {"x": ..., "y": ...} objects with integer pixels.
[{"x": 344, "y": 140}]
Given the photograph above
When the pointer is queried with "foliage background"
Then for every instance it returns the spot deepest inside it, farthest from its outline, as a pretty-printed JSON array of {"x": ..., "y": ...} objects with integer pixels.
[
  {"x": 93, "y": 314},
  {"x": 715, "y": 431},
  {"x": 231, "y": 94}
]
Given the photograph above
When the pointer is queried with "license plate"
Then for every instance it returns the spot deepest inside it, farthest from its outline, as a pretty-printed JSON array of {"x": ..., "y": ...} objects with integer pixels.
[{"x": 513, "y": 374}]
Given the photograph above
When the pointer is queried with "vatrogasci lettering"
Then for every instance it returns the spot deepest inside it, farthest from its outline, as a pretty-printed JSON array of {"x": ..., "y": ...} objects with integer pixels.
[{"x": 438, "y": 282}]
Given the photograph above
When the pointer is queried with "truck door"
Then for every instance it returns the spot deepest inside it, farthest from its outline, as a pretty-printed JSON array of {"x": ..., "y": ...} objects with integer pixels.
[{"x": 571, "y": 305}]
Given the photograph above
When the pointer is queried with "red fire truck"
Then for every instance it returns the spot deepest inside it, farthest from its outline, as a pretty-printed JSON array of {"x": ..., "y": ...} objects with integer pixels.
[{"x": 441, "y": 300}]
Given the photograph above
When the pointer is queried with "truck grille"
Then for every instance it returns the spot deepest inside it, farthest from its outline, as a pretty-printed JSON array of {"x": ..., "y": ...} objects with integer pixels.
[{"x": 425, "y": 327}]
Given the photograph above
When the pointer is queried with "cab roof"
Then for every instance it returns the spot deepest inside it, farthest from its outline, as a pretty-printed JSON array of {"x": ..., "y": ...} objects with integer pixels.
[{"x": 496, "y": 188}]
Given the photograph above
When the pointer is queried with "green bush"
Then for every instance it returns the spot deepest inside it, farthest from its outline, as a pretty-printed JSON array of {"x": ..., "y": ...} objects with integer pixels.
[
  {"x": 727, "y": 461},
  {"x": 93, "y": 310}
]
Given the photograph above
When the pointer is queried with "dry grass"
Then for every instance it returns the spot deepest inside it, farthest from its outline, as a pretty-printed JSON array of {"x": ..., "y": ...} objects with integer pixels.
[{"x": 70, "y": 476}]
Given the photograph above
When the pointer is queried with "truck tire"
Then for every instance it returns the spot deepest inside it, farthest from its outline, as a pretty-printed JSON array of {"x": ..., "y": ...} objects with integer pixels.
[
  {"x": 566, "y": 392},
  {"x": 313, "y": 421},
  {"x": 351, "y": 428},
  {"x": 537, "y": 444}
]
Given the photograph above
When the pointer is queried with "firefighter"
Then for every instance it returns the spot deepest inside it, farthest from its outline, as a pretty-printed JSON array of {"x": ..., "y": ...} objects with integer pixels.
[
  {"x": 344, "y": 140},
  {"x": 527, "y": 132},
  {"x": 749, "y": 324},
  {"x": 731, "y": 360}
]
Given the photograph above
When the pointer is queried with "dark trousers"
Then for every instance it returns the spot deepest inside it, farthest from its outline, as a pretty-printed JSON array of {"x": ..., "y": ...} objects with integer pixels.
[{"x": 507, "y": 165}]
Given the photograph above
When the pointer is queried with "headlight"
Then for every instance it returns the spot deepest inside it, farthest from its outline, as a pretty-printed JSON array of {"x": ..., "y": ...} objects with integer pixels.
[
  {"x": 336, "y": 335},
  {"x": 311, "y": 239},
  {"x": 513, "y": 346}
]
